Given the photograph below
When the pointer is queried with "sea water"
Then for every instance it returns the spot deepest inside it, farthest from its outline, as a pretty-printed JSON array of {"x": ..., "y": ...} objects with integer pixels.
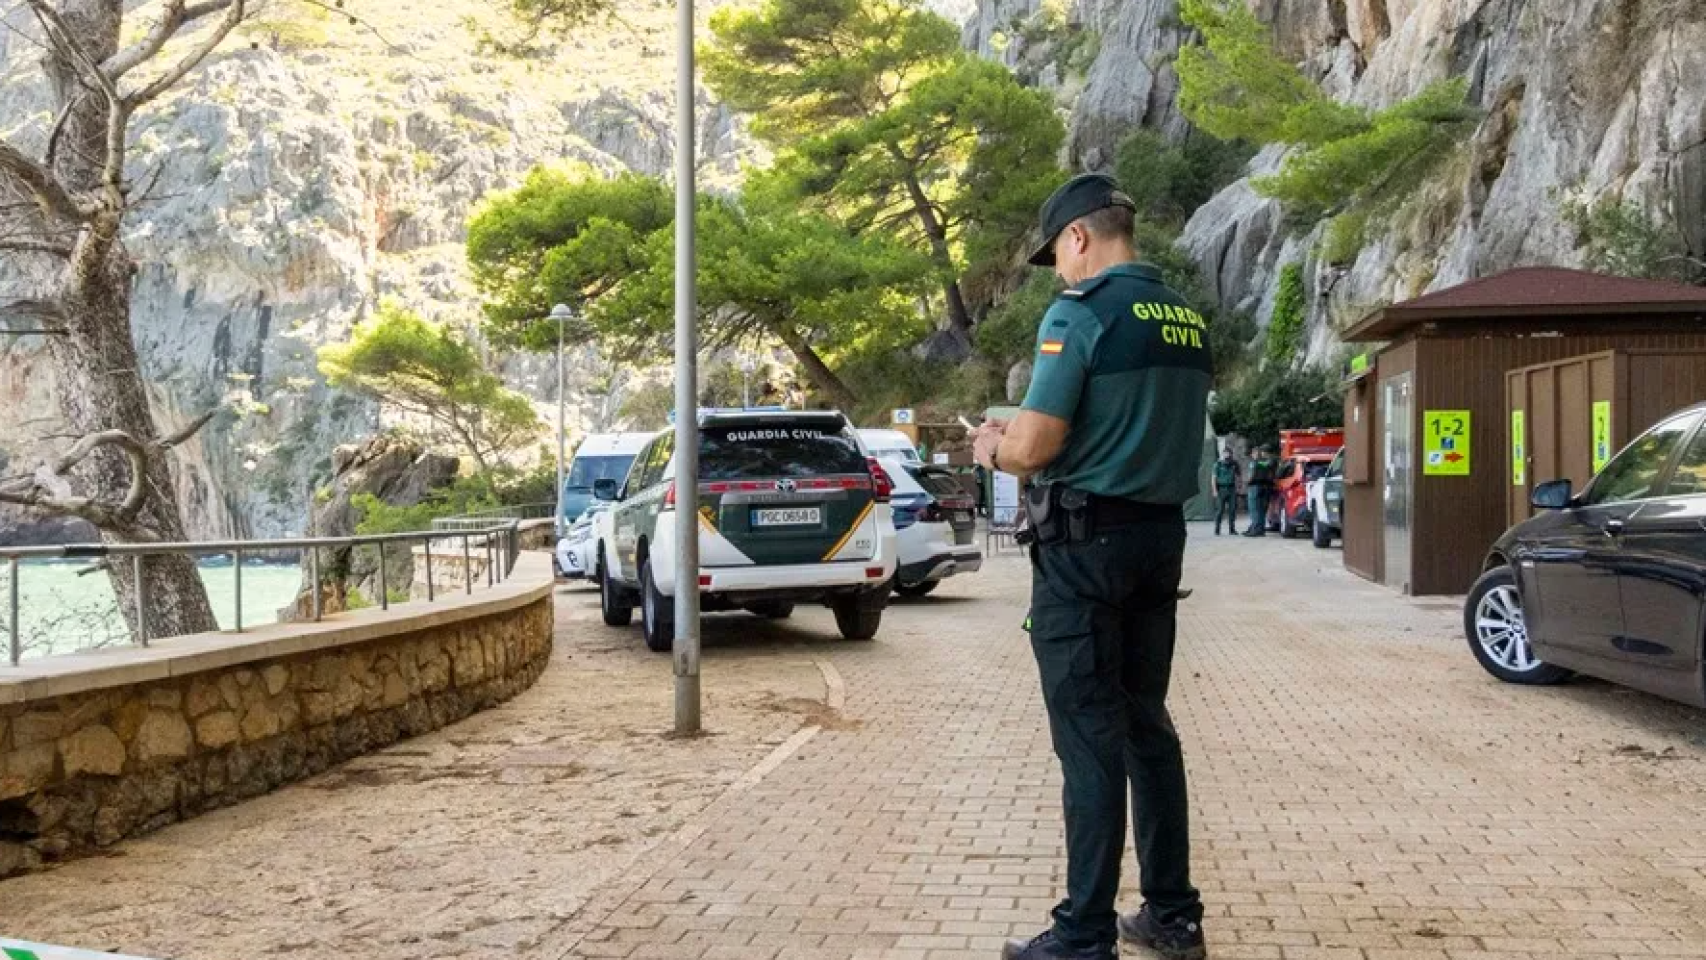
[{"x": 62, "y": 610}]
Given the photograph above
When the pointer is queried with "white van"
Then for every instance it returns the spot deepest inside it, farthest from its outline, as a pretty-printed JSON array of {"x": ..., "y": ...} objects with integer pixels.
[
  {"x": 601, "y": 456},
  {"x": 886, "y": 444}
]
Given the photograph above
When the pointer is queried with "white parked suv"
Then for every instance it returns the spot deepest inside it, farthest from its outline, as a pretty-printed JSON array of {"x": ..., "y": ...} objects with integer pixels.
[
  {"x": 1327, "y": 503},
  {"x": 791, "y": 510},
  {"x": 935, "y": 522}
]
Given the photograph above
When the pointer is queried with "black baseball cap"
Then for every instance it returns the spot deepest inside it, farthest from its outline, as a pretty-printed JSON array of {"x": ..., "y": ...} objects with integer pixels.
[{"x": 1078, "y": 197}]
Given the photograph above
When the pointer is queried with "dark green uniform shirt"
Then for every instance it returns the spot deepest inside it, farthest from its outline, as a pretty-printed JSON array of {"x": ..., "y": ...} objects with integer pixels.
[{"x": 1125, "y": 361}]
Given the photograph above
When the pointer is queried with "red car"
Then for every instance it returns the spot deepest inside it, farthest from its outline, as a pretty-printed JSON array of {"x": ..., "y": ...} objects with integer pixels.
[{"x": 1304, "y": 456}]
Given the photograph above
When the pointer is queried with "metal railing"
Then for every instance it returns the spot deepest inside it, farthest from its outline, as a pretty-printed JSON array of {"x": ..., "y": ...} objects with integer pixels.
[
  {"x": 478, "y": 519},
  {"x": 499, "y": 542}
]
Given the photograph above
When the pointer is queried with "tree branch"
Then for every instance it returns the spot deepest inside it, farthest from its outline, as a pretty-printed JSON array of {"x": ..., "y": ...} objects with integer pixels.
[
  {"x": 36, "y": 245},
  {"x": 66, "y": 45},
  {"x": 128, "y": 59},
  {"x": 51, "y": 197},
  {"x": 164, "y": 82},
  {"x": 49, "y": 490}
]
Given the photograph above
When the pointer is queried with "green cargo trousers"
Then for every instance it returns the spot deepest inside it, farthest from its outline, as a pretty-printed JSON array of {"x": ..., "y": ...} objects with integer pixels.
[{"x": 1102, "y": 627}]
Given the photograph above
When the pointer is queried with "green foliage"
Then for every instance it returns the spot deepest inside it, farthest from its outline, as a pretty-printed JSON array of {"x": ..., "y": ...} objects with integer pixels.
[
  {"x": 883, "y": 122},
  {"x": 1008, "y": 334},
  {"x": 764, "y": 271},
  {"x": 648, "y": 407},
  {"x": 1279, "y": 398},
  {"x": 1170, "y": 181},
  {"x": 1378, "y": 165},
  {"x": 501, "y": 486},
  {"x": 564, "y": 236},
  {"x": 1229, "y": 336},
  {"x": 1345, "y": 236},
  {"x": 432, "y": 372},
  {"x": 1291, "y": 308},
  {"x": 1621, "y": 239},
  {"x": 529, "y": 21},
  {"x": 1237, "y": 87}
]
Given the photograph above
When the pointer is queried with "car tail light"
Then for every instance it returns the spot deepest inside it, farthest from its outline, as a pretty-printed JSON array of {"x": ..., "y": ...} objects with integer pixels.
[
  {"x": 880, "y": 480},
  {"x": 704, "y": 579},
  {"x": 669, "y": 495},
  {"x": 873, "y": 573}
]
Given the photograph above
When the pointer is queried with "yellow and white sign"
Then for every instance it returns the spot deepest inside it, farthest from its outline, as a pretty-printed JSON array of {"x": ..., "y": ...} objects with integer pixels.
[
  {"x": 1601, "y": 434},
  {"x": 1445, "y": 443},
  {"x": 1519, "y": 450}
]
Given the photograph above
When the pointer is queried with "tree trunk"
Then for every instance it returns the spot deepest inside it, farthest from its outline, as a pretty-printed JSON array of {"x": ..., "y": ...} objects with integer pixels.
[
  {"x": 95, "y": 365},
  {"x": 959, "y": 317},
  {"x": 821, "y": 376}
]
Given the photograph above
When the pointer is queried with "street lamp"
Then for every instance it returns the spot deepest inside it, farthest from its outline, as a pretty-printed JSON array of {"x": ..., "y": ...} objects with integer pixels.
[
  {"x": 562, "y": 314},
  {"x": 748, "y": 366}
]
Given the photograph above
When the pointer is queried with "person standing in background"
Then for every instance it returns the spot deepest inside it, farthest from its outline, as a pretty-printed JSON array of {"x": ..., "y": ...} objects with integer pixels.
[
  {"x": 1224, "y": 486},
  {"x": 1261, "y": 491}
]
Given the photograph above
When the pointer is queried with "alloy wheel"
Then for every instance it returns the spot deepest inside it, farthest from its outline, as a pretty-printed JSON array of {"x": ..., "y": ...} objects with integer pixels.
[{"x": 1502, "y": 631}]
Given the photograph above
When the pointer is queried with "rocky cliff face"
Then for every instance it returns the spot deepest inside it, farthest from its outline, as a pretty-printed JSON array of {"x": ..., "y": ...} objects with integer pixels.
[
  {"x": 1581, "y": 98},
  {"x": 312, "y": 169}
]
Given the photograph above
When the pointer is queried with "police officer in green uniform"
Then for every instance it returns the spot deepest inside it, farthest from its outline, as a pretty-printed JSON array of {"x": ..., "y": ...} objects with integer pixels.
[{"x": 1110, "y": 435}]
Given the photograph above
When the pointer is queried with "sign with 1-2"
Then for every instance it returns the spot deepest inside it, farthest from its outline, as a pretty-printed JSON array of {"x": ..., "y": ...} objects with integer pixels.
[
  {"x": 1445, "y": 443},
  {"x": 1601, "y": 434}
]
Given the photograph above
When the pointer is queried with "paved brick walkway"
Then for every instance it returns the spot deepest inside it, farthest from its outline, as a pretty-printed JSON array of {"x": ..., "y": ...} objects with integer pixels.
[{"x": 1362, "y": 791}]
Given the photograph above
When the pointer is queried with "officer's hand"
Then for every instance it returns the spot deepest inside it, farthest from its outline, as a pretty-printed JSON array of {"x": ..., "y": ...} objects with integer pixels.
[{"x": 986, "y": 438}]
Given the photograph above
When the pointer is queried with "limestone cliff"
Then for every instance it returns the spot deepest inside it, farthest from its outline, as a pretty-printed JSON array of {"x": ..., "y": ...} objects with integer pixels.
[
  {"x": 1581, "y": 98},
  {"x": 309, "y": 170}
]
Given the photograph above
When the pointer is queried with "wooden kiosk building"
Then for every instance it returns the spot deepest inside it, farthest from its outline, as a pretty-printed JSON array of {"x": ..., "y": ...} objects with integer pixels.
[{"x": 1478, "y": 392}]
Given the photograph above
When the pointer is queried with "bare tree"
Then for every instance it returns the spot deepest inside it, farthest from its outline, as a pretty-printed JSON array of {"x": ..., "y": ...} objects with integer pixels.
[{"x": 66, "y": 237}]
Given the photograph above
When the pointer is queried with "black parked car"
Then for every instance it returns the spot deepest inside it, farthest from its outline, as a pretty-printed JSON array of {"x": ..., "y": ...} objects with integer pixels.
[{"x": 1610, "y": 582}]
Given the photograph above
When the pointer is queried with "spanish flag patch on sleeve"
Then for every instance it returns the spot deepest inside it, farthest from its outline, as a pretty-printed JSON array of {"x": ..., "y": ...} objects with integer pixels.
[{"x": 1052, "y": 347}]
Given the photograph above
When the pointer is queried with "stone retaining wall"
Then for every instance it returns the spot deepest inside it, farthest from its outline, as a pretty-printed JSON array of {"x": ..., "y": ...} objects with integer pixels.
[{"x": 81, "y": 770}]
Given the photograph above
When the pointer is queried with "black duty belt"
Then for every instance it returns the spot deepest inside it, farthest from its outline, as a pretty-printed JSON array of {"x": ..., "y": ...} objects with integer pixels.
[{"x": 1116, "y": 511}]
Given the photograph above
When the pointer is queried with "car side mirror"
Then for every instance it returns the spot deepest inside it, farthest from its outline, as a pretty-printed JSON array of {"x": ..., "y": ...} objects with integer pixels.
[
  {"x": 604, "y": 489},
  {"x": 1552, "y": 495}
]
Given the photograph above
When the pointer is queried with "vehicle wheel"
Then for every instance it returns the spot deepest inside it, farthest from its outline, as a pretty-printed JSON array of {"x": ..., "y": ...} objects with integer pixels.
[
  {"x": 919, "y": 589},
  {"x": 657, "y": 613},
  {"x": 1323, "y": 534},
  {"x": 773, "y": 609},
  {"x": 613, "y": 601},
  {"x": 858, "y": 615},
  {"x": 1498, "y": 634}
]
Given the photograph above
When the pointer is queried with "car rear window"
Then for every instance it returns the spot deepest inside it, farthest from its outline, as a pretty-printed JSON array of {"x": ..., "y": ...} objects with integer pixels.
[
  {"x": 939, "y": 483},
  {"x": 766, "y": 450},
  {"x": 1314, "y": 471}
]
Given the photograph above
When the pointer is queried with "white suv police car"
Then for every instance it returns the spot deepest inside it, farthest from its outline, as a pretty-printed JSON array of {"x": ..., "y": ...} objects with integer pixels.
[{"x": 791, "y": 510}]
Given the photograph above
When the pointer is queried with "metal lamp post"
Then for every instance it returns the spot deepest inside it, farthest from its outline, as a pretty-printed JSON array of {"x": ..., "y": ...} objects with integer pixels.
[
  {"x": 562, "y": 314},
  {"x": 686, "y": 388}
]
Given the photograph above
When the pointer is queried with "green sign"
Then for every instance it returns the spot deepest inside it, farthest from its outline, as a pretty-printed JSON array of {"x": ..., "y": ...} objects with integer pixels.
[
  {"x": 1519, "y": 461},
  {"x": 1445, "y": 443},
  {"x": 1601, "y": 434}
]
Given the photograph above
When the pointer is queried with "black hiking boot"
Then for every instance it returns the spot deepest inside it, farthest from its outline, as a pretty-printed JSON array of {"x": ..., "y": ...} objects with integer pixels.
[
  {"x": 1046, "y": 947},
  {"x": 1180, "y": 940}
]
